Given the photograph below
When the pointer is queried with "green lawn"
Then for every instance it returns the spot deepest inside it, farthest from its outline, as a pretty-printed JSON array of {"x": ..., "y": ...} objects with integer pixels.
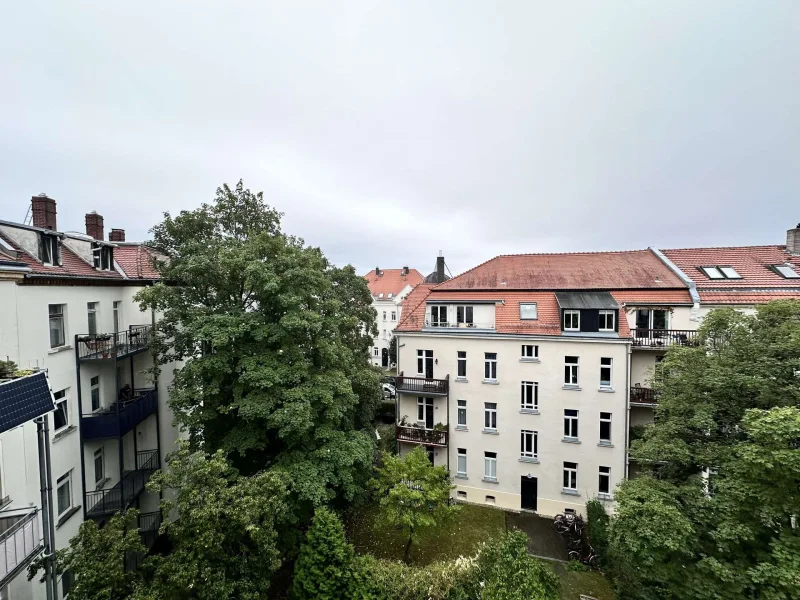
[{"x": 575, "y": 583}]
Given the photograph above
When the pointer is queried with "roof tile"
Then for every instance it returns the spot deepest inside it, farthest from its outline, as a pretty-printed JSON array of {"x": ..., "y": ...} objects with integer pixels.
[{"x": 391, "y": 281}]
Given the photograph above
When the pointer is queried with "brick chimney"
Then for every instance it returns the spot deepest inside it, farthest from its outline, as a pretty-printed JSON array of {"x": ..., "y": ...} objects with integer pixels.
[
  {"x": 377, "y": 272},
  {"x": 793, "y": 240},
  {"x": 404, "y": 272},
  {"x": 116, "y": 235},
  {"x": 44, "y": 212},
  {"x": 94, "y": 225}
]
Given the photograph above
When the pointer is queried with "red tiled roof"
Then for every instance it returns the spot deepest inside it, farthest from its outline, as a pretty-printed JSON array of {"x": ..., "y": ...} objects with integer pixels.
[
  {"x": 137, "y": 261},
  {"x": 636, "y": 269},
  {"x": 751, "y": 262},
  {"x": 391, "y": 281},
  {"x": 412, "y": 309},
  {"x": 672, "y": 297},
  {"x": 747, "y": 297}
]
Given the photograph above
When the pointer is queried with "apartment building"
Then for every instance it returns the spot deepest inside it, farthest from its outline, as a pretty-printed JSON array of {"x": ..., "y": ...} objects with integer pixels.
[
  {"x": 516, "y": 375},
  {"x": 68, "y": 307},
  {"x": 388, "y": 287}
]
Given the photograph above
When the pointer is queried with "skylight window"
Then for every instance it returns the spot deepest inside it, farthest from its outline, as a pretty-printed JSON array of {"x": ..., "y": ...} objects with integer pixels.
[
  {"x": 730, "y": 272},
  {"x": 787, "y": 271},
  {"x": 380, "y": 295},
  {"x": 720, "y": 272}
]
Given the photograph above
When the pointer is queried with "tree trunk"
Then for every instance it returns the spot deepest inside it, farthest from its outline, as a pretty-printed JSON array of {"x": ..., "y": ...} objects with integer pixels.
[{"x": 407, "y": 552}]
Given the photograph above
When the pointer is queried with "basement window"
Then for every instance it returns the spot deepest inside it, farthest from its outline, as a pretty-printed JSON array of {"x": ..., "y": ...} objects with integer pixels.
[{"x": 787, "y": 271}]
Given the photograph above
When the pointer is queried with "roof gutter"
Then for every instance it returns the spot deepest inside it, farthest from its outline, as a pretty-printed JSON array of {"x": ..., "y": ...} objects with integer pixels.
[{"x": 674, "y": 268}]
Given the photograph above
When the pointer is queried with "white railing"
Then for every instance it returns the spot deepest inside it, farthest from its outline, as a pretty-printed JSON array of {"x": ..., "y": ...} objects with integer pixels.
[
  {"x": 450, "y": 325},
  {"x": 19, "y": 541}
]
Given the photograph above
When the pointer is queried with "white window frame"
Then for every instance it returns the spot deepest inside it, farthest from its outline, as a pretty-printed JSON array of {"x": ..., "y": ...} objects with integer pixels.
[
  {"x": 376, "y": 352},
  {"x": 572, "y": 370},
  {"x": 490, "y": 466},
  {"x": 605, "y": 417},
  {"x": 571, "y": 429},
  {"x": 575, "y": 320},
  {"x": 422, "y": 358},
  {"x": 468, "y": 321},
  {"x": 712, "y": 272},
  {"x": 99, "y": 454},
  {"x": 529, "y": 444},
  {"x": 61, "y": 398},
  {"x": 59, "y": 317},
  {"x": 529, "y": 395},
  {"x": 609, "y": 383},
  {"x": 92, "y": 387},
  {"x": 65, "y": 479},
  {"x": 607, "y": 314},
  {"x": 461, "y": 411},
  {"x": 394, "y": 315},
  {"x": 532, "y": 311},
  {"x": 787, "y": 271},
  {"x": 440, "y": 310},
  {"x": 730, "y": 272},
  {"x": 461, "y": 358},
  {"x": 384, "y": 315},
  {"x": 604, "y": 473},
  {"x": 461, "y": 455},
  {"x": 534, "y": 349},
  {"x": 570, "y": 476},
  {"x": 490, "y": 416},
  {"x": 490, "y": 366},
  {"x": 92, "y": 309},
  {"x": 423, "y": 402}
]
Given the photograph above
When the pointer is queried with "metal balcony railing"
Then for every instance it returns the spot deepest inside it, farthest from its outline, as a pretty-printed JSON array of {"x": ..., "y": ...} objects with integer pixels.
[
  {"x": 422, "y": 385},
  {"x": 20, "y": 541},
  {"x": 98, "y": 346},
  {"x": 434, "y": 324},
  {"x": 418, "y": 435},
  {"x": 121, "y": 417},
  {"x": 662, "y": 338},
  {"x": 642, "y": 395},
  {"x": 101, "y": 503}
]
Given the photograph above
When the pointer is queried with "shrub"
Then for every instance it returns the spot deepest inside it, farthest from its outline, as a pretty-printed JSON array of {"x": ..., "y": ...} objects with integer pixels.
[
  {"x": 597, "y": 529},
  {"x": 324, "y": 567},
  {"x": 376, "y": 579}
]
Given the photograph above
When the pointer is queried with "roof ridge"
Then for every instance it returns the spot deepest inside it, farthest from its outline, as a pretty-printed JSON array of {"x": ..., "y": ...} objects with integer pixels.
[
  {"x": 574, "y": 253},
  {"x": 772, "y": 246}
]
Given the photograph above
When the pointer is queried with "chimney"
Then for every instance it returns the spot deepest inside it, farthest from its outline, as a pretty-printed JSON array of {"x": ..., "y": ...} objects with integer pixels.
[
  {"x": 440, "y": 268},
  {"x": 44, "y": 212},
  {"x": 94, "y": 225},
  {"x": 405, "y": 271},
  {"x": 377, "y": 272},
  {"x": 793, "y": 240},
  {"x": 116, "y": 235}
]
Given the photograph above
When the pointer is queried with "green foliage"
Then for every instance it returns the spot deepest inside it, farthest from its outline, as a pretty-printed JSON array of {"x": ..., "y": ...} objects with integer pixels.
[
  {"x": 96, "y": 558},
  {"x": 597, "y": 528},
  {"x": 275, "y": 347},
  {"x": 376, "y": 579},
  {"x": 388, "y": 441},
  {"x": 324, "y": 568},
  {"x": 393, "y": 351},
  {"x": 413, "y": 494}
]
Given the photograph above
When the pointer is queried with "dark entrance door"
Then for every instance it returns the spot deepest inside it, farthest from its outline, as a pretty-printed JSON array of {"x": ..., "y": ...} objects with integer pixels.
[
  {"x": 385, "y": 357},
  {"x": 429, "y": 450},
  {"x": 529, "y": 492}
]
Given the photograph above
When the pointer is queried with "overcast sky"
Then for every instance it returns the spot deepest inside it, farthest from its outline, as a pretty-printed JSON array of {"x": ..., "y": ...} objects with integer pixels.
[{"x": 389, "y": 131}]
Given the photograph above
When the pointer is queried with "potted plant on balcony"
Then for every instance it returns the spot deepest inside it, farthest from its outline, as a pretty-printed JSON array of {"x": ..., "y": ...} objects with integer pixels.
[{"x": 96, "y": 342}]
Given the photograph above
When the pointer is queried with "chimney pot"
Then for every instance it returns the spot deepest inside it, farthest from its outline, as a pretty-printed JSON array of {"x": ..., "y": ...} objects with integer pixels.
[
  {"x": 793, "y": 240},
  {"x": 44, "y": 212},
  {"x": 94, "y": 225}
]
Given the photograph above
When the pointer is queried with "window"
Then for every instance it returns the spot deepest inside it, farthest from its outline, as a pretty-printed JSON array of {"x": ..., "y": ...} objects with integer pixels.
[
  {"x": 529, "y": 444},
  {"x": 530, "y": 351},
  {"x": 384, "y": 315},
  {"x": 425, "y": 363},
  {"x": 787, "y": 271},
  {"x": 67, "y": 581},
  {"x": 438, "y": 316},
  {"x": 102, "y": 256},
  {"x": 380, "y": 295},
  {"x": 99, "y": 466},
  {"x": 571, "y": 476},
  {"x": 464, "y": 315},
  {"x": 117, "y": 315},
  {"x": 651, "y": 319},
  {"x": 91, "y": 308},
  {"x": 606, "y": 320},
  {"x": 48, "y": 249},
  {"x": 462, "y": 414},
  {"x": 605, "y": 427},
  {"x": 389, "y": 295},
  {"x": 61, "y": 415},
  {"x": 604, "y": 485},
  {"x": 462, "y": 364},
  {"x": 490, "y": 500},
  {"x": 527, "y": 310},
  {"x": 570, "y": 423},
  {"x": 490, "y": 465},
  {"x": 422, "y": 403},
  {"x": 570, "y": 370},
  {"x": 529, "y": 395},
  {"x": 461, "y": 464},
  {"x": 64, "y": 493},
  {"x": 375, "y": 351},
  {"x": 394, "y": 316},
  {"x": 490, "y": 416},
  {"x": 58, "y": 332},
  {"x": 712, "y": 272},
  {"x": 572, "y": 320},
  {"x": 461, "y": 495},
  {"x": 730, "y": 273},
  {"x": 94, "y": 382},
  {"x": 490, "y": 366},
  {"x": 605, "y": 372}
]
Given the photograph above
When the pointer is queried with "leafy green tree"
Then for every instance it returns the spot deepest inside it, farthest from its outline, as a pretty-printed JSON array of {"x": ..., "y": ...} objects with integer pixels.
[
  {"x": 275, "y": 345},
  {"x": 413, "y": 494},
  {"x": 96, "y": 557},
  {"x": 597, "y": 525},
  {"x": 393, "y": 351},
  {"x": 323, "y": 570}
]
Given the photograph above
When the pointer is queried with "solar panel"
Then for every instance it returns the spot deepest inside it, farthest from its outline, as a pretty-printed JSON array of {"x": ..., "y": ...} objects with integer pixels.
[{"x": 24, "y": 399}]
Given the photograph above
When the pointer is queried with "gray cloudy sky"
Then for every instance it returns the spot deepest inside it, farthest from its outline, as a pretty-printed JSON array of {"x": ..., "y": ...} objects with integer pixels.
[{"x": 388, "y": 131}]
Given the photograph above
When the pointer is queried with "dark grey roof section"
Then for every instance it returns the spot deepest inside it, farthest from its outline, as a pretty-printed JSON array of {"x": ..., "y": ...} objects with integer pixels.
[
  {"x": 586, "y": 300},
  {"x": 24, "y": 399}
]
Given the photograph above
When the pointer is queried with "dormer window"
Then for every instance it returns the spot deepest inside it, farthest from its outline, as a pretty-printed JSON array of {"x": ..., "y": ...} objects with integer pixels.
[
  {"x": 572, "y": 320},
  {"x": 102, "y": 256},
  {"x": 786, "y": 271},
  {"x": 718, "y": 272},
  {"x": 48, "y": 249}
]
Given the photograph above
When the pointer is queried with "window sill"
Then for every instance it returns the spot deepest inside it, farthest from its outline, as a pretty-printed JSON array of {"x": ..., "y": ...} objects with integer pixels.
[
  {"x": 490, "y": 382},
  {"x": 490, "y": 431},
  {"x": 529, "y": 359},
  {"x": 568, "y": 492},
  {"x": 606, "y": 497},
  {"x": 461, "y": 428},
  {"x": 59, "y": 349},
  {"x": 5, "y": 502},
  {"x": 606, "y": 390},
  {"x": 101, "y": 484},
  {"x": 461, "y": 380},
  {"x": 460, "y": 476},
  {"x": 529, "y": 411},
  {"x": 605, "y": 444},
  {"x": 529, "y": 459},
  {"x": 65, "y": 517},
  {"x": 62, "y": 433},
  {"x": 570, "y": 440},
  {"x": 571, "y": 386},
  {"x": 490, "y": 480}
]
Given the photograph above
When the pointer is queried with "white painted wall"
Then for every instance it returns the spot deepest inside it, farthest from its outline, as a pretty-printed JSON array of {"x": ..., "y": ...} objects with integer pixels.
[{"x": 386, "y": 326}]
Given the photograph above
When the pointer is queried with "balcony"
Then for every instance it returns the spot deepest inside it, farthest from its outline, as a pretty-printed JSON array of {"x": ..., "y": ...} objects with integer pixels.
[
  {"x": 641, "y": 396},
  {"x": 121, "y": 417},
  {"x": 663, "y": 338},
  {"x": 432, "y": 324},
  {"x": 149, "y": 523},
  {"x": 418, "y": 435},
  {"x": 102, "y": 503},
  {"x": 99, "y": 346},
  {"x": 20, "y": 542},
  {"x": 422, "y": 386}
]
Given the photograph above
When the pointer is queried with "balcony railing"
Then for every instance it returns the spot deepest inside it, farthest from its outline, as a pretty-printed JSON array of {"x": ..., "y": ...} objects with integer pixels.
[
  {"x": 422, "y": 385},
  {"x": 433, "y": 324},
  {"x": 644, "y": 396},
  {"x": 19, "y": 542},
  {"x": 97, "y": 346},
  {"x": 106, "y": 502},
  {"x": 418, "y": 435},
  {"x": 110, "y": 423},
  {"x": 149, "y": 524},
  {"x": 662, "y": 338}
]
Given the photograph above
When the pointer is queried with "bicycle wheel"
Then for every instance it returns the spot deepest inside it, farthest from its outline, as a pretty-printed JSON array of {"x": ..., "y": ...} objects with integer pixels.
[{"x": 573, "y": 555}]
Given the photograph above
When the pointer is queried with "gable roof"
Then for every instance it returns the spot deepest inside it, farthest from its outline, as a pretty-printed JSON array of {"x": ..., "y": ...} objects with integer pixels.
[
  {"x": 636, "y": 269},
  {"x": 391, "y": 281},
  {"x": 137, "y": 261}
]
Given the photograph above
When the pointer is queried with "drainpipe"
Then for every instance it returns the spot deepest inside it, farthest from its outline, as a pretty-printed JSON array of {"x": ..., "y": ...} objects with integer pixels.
[
  {"x": 629, "y": 347},
  {"x": 46, "y": 488},
  {"x": 80, "y": 430}
]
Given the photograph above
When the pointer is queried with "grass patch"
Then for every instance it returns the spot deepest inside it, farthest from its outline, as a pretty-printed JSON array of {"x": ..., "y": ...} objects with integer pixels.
[
  {"x": 460, "y": 536},
  {"x": 575, "y": 583}
]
